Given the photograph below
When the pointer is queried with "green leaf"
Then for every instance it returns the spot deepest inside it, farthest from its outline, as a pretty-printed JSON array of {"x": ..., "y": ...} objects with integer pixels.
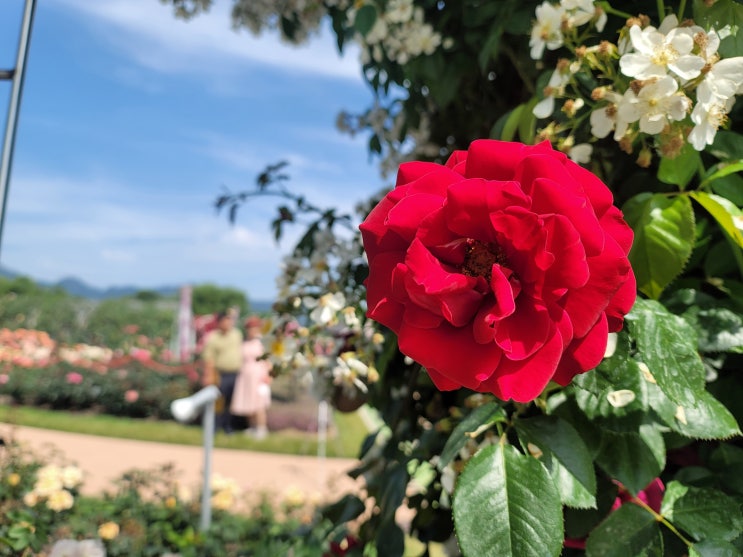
[
  {"x": 720, "y": 209},
  {"x": 347, "y": 508},
  {"x": 506, "y": 504},
  {"x": 667, "y": 345},
  {"x": 528, "y": 122},
  {"x": 702, "y": 512},
  {"x": 681, "y": 169},
  {"x": 366, "y": 16},
  {"x": 390, "y": 540},
  {"x": 491, "y": 46},
  {"x": 714, "y": 548},
  {"x": 482, "y": 416},
  {"x": 627, "y": 532},
  {"x": 723, "y": 14},
  {"x": 565, "y": 456},
  {"x": 730, "y": 187},
  {"x": 723, "y": 169},
  {"x": 709, "y": 419},
  {"x": 634, "y": 459},
  {"x": 664, "y": 238},
  {"x": 719, "y": 329},
  {"x": 727, "y": 462},
  {"x": 727, "y": 145},
  {"x": 598, "y": 393},
  {"x": 510, "y": 124}
]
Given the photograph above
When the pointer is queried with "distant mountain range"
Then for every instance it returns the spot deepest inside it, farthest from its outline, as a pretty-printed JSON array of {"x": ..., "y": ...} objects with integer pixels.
[{"x": 77, "y": 287}]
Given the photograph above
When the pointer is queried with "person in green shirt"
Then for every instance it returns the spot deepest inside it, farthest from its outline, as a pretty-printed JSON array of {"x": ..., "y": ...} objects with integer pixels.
[{"x": 222, "y": 361}]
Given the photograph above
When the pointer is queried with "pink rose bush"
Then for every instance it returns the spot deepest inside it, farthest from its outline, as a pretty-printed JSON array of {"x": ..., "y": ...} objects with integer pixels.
[{"x": 500, "y": 271}]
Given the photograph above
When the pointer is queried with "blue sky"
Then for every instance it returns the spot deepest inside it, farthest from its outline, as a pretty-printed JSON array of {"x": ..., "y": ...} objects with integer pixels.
[{"x": 132, "y": 121}]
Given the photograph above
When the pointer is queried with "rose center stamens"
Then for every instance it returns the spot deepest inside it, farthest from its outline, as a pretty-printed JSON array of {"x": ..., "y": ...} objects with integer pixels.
[{"x": 479, "y": 258}]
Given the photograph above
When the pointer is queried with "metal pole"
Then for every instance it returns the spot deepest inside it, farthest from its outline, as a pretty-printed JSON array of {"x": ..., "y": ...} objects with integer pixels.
[
  {"x": 206, "y": 490},
  {"x": 15, "y": 100}
]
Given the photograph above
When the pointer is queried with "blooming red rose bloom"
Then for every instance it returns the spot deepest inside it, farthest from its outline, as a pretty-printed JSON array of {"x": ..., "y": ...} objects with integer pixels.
[{"x": 500, "y": 271}]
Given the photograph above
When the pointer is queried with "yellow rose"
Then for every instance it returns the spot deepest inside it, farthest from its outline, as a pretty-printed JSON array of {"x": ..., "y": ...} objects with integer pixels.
[
  {"x": 108, "y": 530},
  {"x": 13, "y": 479},
  {"x": 31, "y": 499},
  {"x": 223, "y": 500},
  {"x": 60, "y": 500},
  {"x": 72, "y": 476}
]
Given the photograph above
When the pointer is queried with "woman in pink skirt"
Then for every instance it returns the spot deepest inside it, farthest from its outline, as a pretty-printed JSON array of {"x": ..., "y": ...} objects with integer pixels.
[{"x": 252, "y": 388}]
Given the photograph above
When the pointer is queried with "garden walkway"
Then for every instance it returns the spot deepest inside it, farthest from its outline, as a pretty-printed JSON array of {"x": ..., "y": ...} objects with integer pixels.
[{"x": 104, "y": 459}]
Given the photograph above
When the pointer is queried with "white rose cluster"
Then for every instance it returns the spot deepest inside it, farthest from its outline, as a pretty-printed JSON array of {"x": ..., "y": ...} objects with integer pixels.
[
  {"x": 400, "y": 32},
  {"x": 667, "y": 85}
]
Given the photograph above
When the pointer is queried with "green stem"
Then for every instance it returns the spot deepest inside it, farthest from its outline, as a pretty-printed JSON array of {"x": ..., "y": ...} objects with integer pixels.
[
  {"x": 663, "y": 520},
  {"x": 661, "y": 10},
  {"x": 682, "y": 9},
  {"x": 613, "y": 11}
]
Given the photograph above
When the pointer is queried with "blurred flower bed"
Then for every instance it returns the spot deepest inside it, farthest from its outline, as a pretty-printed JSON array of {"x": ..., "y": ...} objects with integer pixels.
[
  {"x": 148, "y": 513},
  {"x": 36, "y": 371}
]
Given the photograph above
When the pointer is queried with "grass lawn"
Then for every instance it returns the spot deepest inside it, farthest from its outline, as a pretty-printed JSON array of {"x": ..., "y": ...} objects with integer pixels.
[{"x": 346, "y": 441}]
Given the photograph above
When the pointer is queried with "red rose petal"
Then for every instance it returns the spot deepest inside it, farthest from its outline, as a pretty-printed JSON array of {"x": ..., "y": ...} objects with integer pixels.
[
  {"x": 415, "y": 171},
  {"x": 608, "y": 272},
  {"x": 583, "y": 354},
  {"x": 452, "y": 295},
  {"x": 442, "y": 382},
  {"x": 496, "y": 160},
  {"x": 525, "y": 331},
  {"x": 615, "y": 226},
  {"x": 451, "y": 351},
  {"x": 621, "y": 303},
  {"x": 382, "y": 307},
  {"x": 549, "y": 196},
  {"x": 598, "y": 194},
  {"x": 457, "y": 161},
  {"x": 405, "y": 217},
  {"x": 570, "y": 269},
  {"x": 524, "y": 380}
]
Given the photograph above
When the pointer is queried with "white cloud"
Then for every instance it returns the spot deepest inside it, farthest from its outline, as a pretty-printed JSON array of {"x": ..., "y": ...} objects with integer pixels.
[
  {"x": 109, "y": 233},
  {"x": 147, "y": 32}
]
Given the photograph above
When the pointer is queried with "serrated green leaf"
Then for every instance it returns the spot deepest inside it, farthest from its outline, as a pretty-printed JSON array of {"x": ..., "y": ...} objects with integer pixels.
[
  {"x": 709, "y": 419},
  {"x": 634, "y": 459},
  {"x": 628, "y": 531},
  {"x": 681, "y": 169},
  {"x": 565, "y": 456},
  {"x": 597, "y": 392},
  {"x": 506, "y": 505},
  {"x": 714, "y": 548},
  {"x": 667, "y": 344},
  {"x": 664, "y": 238},
  {"x": 366, "y": 16},
  {"x": 484, "y": 415},
  {"x": 720, "y": 209},
  {"x": 702, "y": 512}
]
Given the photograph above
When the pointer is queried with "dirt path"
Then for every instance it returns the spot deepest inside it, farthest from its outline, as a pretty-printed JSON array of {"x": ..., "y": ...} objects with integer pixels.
[{"x": 103, "y": 459}]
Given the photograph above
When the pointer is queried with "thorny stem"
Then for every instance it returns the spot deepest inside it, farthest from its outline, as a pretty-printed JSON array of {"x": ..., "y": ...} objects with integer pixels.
[{"x": 663, "y": 520}]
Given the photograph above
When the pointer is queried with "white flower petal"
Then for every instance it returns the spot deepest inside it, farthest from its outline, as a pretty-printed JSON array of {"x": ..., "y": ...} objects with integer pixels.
[
  {"x": 688, "y": 66},
  {"x": 601, "y": 124},
  {"x": 544, "y": 108}
]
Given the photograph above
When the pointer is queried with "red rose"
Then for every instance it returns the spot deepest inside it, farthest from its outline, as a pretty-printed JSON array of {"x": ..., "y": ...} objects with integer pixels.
[{"x": 502, "y": 270}]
